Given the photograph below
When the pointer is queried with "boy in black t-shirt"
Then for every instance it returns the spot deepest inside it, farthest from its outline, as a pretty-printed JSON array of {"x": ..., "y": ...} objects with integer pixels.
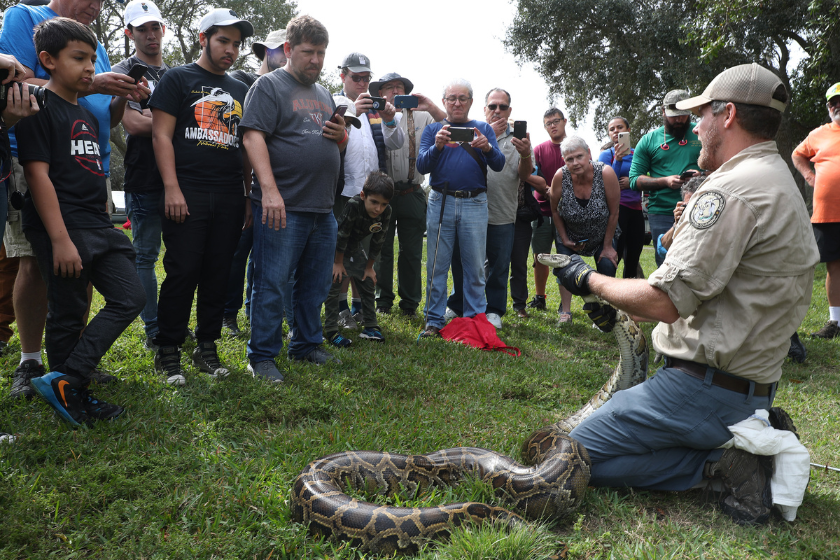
[
  {"x": 196, "y": 111},
  {"x": 369, "y": 212},
  {"x": 65, "y": 220}
]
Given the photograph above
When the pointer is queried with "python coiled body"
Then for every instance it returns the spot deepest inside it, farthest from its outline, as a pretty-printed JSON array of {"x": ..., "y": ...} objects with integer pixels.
[{"x": 552, "y": 487}]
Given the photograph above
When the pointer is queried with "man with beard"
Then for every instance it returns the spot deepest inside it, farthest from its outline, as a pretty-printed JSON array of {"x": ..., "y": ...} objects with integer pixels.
[
  {"x": 727, "y": 310},
  {"x": 661, "y": 156},
  {"x": 294, "y": 146},
  {"x": 817, "y": 158}
]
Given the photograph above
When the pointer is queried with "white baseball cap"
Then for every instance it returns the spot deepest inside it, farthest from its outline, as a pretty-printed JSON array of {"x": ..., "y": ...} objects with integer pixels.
[
  {"x": 224, "y": 17},
  {"x": 138, "y": 12}
]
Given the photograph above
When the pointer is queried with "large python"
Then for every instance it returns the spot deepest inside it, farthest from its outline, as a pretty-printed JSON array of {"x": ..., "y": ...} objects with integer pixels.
[{"x": 552, "y": 487}]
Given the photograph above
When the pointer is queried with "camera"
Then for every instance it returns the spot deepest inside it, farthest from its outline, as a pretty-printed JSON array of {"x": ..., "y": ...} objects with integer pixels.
[
  {"x": 40, "y": 92},
  {"x": 378, "y": 103}
]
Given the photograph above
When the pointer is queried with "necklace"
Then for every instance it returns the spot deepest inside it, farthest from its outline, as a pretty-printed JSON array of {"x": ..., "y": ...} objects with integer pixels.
[{"x": 665, "y": 147}]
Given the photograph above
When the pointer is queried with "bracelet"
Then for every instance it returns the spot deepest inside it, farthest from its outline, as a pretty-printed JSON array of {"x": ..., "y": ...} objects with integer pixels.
[
  {"x": 345, "y": 137},
  {"x": 391, "y": 123},
  {"x": 524, "y": 157}
]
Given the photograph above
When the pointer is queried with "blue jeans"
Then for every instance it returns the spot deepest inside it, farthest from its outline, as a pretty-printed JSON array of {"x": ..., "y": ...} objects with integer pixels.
[
  {"x": 659, "y": 435},
  {"x": 241, "y": 270},
  {"x": 464, "y": 220},
  {"x": 659, "y": 224},
  {"x": 496, "y": 268},
  {"x": 143, "y": 212},
  {"x": 304, "y": 251}
]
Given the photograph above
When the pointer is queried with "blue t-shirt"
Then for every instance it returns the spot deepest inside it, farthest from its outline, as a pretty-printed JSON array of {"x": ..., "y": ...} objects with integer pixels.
[
  {"x": 453, "y": 164},
  {"x": 16, "y": 38}
]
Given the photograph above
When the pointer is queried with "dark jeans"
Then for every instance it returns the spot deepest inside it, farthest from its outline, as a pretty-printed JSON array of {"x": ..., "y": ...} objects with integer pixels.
[
  {"x": 355, "y": 265},
  {"x": 145, "y": 232},
  {"x": 199, "y": 251},
  {"x": 632, "y": 239},
  {"x": 496, "y": 268},
  {"x": 107, "y": 263},
  {"x": 408, "y": 213},
  {"x": 241, "y": 270},
  {"x": 519, "y": 264},
  {"x": 659, "y": 224}
]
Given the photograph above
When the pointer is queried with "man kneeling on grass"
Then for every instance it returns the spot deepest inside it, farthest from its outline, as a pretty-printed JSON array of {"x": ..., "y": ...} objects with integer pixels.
[
  {"x": 366, "y": 213},
  {"x": 65, "y": 220}
]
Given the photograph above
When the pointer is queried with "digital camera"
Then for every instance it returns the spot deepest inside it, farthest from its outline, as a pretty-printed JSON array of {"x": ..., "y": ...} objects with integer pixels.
[{"x": 40, "y": 92}]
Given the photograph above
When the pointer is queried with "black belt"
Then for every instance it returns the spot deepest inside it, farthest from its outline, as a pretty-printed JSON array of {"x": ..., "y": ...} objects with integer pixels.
[
  {"x": 719, "y": 378},
  {"x": 462, "y": 194},
  {"x": 408, "y": 190}
]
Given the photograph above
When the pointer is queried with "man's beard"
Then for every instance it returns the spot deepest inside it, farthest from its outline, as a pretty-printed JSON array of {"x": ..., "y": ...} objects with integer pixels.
[
  {"x": 835, "y": 115},
  {"x": 711, "y": 145},
  {"x": 677, "y": 130}
]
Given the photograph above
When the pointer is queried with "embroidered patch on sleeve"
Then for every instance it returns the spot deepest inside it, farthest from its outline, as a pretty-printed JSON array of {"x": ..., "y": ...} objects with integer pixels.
[{"x": 707, "y": 209}]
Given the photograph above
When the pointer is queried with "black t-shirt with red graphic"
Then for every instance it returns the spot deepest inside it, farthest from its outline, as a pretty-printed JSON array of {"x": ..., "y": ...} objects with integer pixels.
[
  {"x": 66, "y": 136},
  {"x": 207, "y": 108}
]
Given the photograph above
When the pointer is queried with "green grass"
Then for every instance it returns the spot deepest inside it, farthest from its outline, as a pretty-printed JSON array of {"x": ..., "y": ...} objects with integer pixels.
[{"x": 205, "y": 471}]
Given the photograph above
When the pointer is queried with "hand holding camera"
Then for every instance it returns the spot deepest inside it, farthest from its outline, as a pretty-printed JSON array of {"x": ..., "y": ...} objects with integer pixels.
[{"x": 18, "y": 99}]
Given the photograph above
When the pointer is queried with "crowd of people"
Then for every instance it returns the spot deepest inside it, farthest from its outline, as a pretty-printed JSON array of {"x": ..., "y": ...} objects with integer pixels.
[{"x": 253, "y": 178}]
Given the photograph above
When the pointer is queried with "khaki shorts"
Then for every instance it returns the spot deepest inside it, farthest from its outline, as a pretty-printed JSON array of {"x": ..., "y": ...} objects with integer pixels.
[{"x": 16, "y": 243}]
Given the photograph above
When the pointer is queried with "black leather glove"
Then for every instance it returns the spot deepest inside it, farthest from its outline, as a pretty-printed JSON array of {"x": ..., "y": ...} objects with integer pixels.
[
  {"x": 602, "y": 314},
  {"x": 575, "y": 276}
]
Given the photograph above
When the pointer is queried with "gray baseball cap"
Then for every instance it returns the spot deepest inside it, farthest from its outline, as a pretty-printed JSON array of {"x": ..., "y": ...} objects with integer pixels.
[
  {"x": 224, "y": 17},
  {"x": 274, "y": 40},
  {"x": 356, "y": 62},
  {"x": 670, "y": 103}
]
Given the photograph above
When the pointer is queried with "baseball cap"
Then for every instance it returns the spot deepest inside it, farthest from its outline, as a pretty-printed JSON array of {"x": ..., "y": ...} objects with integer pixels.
[
  {"x": 833, "y": 91},
  {"x": 356, "y": 62},
  {"x": 747, "y": 83},
  {"x": 350, "y": 115},
  {"x": 138, "y": 12},
  {"x": 274, "y": 40},
  {"x": 224, "y": 17},
  {"x": 670, "y": 103},
  {"x": 390, "y": 77}
]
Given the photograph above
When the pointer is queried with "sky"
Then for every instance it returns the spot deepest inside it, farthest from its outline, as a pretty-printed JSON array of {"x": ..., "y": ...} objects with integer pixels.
[{"x": 414, "y": 39}]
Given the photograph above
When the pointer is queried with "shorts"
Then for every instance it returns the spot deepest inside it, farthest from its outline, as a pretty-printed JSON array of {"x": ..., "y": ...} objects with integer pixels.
[
  {"x": 16, "y": 243},
  {"x": 543, "y": 236},
  {"x": 828, "y": 240}
]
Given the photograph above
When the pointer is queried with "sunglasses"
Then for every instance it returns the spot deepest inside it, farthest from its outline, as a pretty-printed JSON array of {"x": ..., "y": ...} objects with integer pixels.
[
  {"x": 501, "y": 106},
  {"x": 356, "y": 78}
]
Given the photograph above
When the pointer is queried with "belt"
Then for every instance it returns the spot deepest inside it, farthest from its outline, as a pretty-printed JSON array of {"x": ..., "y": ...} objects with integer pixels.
[
  {"x": 719, "y": 378},
  {"x": 462, "y": 194},
  {"x": 410, "y": 189}
]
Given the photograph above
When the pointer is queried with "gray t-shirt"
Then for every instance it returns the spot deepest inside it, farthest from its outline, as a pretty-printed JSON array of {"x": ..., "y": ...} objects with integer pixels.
[
  {"x": 305, "y": 164},
  {"x": 503, "y": 187}
]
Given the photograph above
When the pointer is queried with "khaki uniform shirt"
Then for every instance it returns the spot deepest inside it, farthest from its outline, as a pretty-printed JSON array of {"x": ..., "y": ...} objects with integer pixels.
[
  {"x": 397, "y": 160},
  {"x": 740, "y": 269},
  {"x": 503, "y": 186}
]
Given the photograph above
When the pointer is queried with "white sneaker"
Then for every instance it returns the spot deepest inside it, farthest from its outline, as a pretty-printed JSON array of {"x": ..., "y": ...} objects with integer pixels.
[
  {"x": 449, "y": 315},
  {"x": 346, "y": 320},
  {"x": 495, "y": 320}
]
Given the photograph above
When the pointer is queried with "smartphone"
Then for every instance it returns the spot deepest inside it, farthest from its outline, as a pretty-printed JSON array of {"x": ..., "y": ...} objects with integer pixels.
[
  {"x": 340, "y": 110},
  {"x": 624, "y": 140},
  {"x": 405, "y": 102},
  {"x": 582, "y": 241},
  {"x": 378, "y": 103},
  {"x": 686, "y": 175},
  {"x": 137, "y": 72},
  {"x": 519, "y": 129},
  {"x": 461, "y": 134}
]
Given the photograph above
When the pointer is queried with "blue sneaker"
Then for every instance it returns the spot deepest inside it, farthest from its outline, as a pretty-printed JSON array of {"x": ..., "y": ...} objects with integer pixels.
[
  {"x": 65, "y": 393},
  {"x": 372, "y": 334},
  {"x": 339, "y": 341}
]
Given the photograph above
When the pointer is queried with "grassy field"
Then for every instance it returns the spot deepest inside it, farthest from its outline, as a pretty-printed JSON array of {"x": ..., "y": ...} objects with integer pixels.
[{"x": 205, "y": 471}]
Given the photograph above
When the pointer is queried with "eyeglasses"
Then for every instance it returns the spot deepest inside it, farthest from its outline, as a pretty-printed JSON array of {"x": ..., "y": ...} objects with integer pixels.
[
  {"x": 452, "y": 99},
  {"x": 555, "y": 122},
  {"x": 356, "y": 78},
  {"x": 501, "y": 106}
]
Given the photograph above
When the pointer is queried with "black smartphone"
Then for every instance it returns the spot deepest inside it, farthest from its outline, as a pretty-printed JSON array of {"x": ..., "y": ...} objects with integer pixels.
[
  {"x": 137, "y": 72},
  {"x": 340, "y": 110},
  {"x": 686, "y": 175},
  {"x": 519, "y": 129},
  {"x": 461, "y": 134},
  {"x": 378, "y": 103},
  {"x": 405, "y": 102}
]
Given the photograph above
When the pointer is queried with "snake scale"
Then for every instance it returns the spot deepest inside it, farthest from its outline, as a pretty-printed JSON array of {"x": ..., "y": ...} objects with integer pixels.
[{"x": 551, "y": 487}]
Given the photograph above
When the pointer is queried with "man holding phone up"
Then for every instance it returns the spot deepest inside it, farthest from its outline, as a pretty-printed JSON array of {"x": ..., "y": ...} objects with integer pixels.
[{"x": 408, "y": 206}]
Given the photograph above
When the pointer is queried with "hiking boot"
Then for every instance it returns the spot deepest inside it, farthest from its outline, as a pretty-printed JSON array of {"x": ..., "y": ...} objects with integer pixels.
[
  {"x": 346, "y": 320},
  {"x": 372, "y": 333},
  {"x": 430, "y": 332},
  {"x": 266, "y": 370},
  {"x": 206, "y": 359},
  {"x": 747, "y": 497},
  {"x": 411, "y": 313},
  {"x": 829, "y": 330},
  {"x": 23, "y": 375},
  {"x": 797, "y": 351},
  {"x": 101, "y": 376},
  {"x": 537, "y": 302},
  {"x": 781, "y": 420},
  {"x": 99, "y": 410},
  {"x": 339, "y": 341},
  {"x": 230, "y": 326},
  {"x": 168, "y": 364},
  {"x": 150, "y": 344},
  {"x": 65, "y": 393},
  {"x": 319, "y": 357}
]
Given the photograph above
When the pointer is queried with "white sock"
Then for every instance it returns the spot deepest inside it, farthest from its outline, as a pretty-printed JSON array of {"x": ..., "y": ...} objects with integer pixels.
[
  {"x": 31, "y": 356},
  {"x": 834, "y": 314}
]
